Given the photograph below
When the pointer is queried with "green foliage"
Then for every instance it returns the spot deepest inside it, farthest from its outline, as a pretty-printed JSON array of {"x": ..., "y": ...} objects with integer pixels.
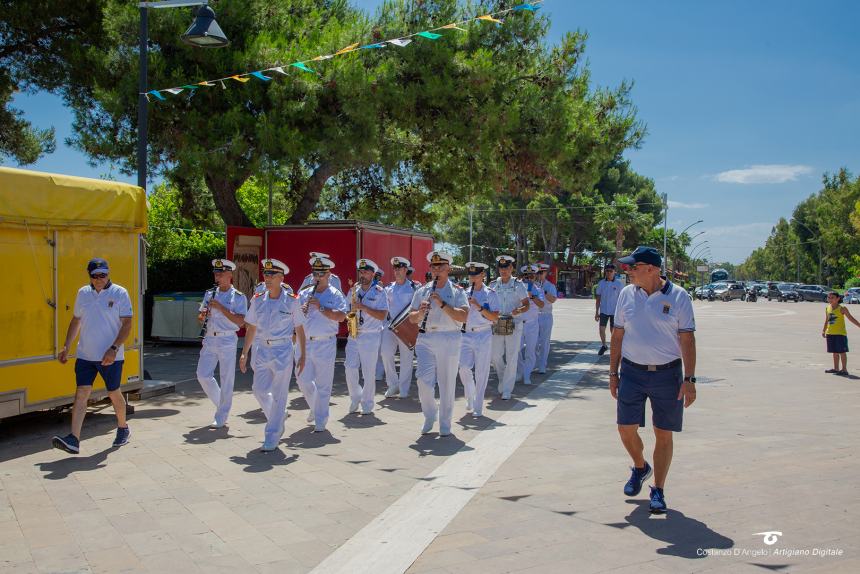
[{"x": 19, "y": 140}]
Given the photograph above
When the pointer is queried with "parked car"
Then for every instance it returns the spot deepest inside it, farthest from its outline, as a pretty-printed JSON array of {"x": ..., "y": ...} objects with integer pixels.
[
  {"x": 812, "y": 293},
  {"x": 729, "y": 291},
  {"x": 701, "y": 292},
  {"x": 851, "y": 295},
  {"x": 782, "y": 292},
  {"x": 755, "y": 290}
]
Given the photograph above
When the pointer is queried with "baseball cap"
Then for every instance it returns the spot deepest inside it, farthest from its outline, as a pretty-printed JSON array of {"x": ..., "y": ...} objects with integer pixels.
[{"x": 643, "y": 254}]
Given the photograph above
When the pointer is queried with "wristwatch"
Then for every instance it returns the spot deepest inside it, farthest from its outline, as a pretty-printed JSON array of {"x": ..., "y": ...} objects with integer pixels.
[
  {"x": 613, "y": 374},
  {"x": 443, "y": 305},
  {"x": 114, "y": 348},
  {"x": 690, "y": 380}
]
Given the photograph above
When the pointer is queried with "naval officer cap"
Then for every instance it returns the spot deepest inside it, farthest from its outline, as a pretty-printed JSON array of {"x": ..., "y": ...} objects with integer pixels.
[
  {"x": 543, "y": 266},
  {"x": 475, "y": 268},
  {"x": 321, "y": 264},
  {"x": 398, "y": 261},
  {"x": 528, "y": 269},
  {"x": 504, "y": 261},
  {"x": 273, "y": 266},
  {"x": 436, "y": 257},
  {"x": 366, "y": 265},
  {"x": 223, "y": 265},
  {"x": 320, "y": 254}
]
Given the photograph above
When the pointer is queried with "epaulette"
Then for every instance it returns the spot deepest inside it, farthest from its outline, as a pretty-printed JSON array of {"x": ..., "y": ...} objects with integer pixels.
[
  {"x": 306, "y": 287},
  {"x": 490, "y": 289},
  {"x": 256, "y": 295},
  {"x": 380, "y": 287},
  {"x": 238, "y": 292}
]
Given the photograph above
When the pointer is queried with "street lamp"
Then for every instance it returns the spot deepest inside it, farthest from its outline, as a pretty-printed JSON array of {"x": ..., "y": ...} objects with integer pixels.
[
  {"x": 702, "y": 244},
  {"x": 691, "y": 225},
  {"x": 204, "y": 32}
]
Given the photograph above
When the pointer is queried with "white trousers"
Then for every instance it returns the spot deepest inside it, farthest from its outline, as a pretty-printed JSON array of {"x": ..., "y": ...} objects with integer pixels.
[
  {"x": 221, "y": 351},
  {"x": 273, "y": 368},
  {"x": 506, "y": 354},
  {"x": 438, "y": 355},
  {"x": 316, "y": 380},
  {"x": 390, "y": 345},
  {"x": 544, "y": 336},
  {"x": 363, "y": 352},
  {"x": 528, "y": 355},
  {"x": 476, "y": 352}
]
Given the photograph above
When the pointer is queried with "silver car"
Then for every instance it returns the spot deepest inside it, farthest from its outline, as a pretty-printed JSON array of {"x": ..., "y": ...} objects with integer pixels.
[{"x": 851, "y": 295}]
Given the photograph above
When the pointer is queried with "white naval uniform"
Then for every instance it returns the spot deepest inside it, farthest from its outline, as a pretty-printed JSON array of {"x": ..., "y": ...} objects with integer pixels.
[
  {"x": 438, "y": 352},
  {"x": 529, "y": 319},
  {"x": 219, "y": 347},
  {"x": 316, "y": 379},
  {"x": 476, "y": 350},
  {"x": 399, "y": 298},
  {"x": 333, "y": 280},
  {"x": 507, "y": 348},
  {"x": 363, "y": 351},
  {"x": 272, "y": 358},
  {"x": 545, "y": 327}
]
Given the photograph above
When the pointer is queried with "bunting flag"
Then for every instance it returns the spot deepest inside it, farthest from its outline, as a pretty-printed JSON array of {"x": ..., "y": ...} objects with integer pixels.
[{"x": 402, "y": 42}]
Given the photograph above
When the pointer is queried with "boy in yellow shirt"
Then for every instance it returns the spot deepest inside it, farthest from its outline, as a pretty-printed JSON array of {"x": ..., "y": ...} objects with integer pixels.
[{"x": 836, "y": 334}]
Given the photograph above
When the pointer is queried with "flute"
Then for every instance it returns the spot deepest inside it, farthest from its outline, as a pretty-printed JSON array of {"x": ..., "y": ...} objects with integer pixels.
[
  {"x": 471, "y": 292},
  {"x": 207, "y": 310},
  {"x": 423, "y": 327}
]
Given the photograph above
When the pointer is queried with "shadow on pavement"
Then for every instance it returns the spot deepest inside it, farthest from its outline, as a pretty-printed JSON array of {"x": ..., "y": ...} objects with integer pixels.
[
  {"x": 306, "y": 438},
  {"x": 684, "y": 536},
  {"x": 60, "y": 469},
  {"x": 359, "y": 421},
  {"x": 254, "y": 417},
  {"x": 206, "y": 435},
  {"x": 257, "y": 461},
  {"x": 407, "y": 405},
  {"x": 435, "y": 445}
]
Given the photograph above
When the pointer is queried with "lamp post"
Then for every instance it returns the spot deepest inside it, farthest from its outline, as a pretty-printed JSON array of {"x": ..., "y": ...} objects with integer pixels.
[
  {"x": 204, "y": 32},
  {"x": 696, "y": 246},
  {"x": 691, "y": 225}
]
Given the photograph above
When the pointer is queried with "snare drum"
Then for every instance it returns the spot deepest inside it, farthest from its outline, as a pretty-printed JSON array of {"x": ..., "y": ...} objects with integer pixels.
[
  {"x": 404, "y": 329},
  {"x": 504, "y": 325}
]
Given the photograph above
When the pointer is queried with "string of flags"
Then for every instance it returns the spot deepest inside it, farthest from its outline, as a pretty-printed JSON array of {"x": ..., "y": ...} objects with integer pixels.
[{"x": 305, "y": 65}]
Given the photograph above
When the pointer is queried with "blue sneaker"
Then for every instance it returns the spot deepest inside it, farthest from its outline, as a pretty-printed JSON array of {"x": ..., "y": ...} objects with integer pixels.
[
  {"x": 68, "y": 443},
  {"x": 658, "y": 502},
  {"x": 637, "y": 477},
  {"x": 122, "y": 435}
]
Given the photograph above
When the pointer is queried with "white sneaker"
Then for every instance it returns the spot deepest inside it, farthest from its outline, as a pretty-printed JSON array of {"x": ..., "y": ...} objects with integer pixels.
[
  {"x": 391, "y": 393},
  {"x": 428, "y": 426},
  {"x": 353, "y": 406},
  {"x": 217, "y": 425},
  {"x": 477, "y": 414}
]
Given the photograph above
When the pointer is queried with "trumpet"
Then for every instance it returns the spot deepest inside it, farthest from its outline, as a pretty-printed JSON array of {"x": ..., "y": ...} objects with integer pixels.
[
  {"x": 207, "y": 311},
  {"x": 423, "y": 327}
]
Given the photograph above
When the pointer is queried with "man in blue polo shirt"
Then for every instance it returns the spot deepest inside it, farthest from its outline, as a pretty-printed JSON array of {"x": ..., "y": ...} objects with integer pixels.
[
  {"x": 102, "y": 316},
  {"x": 653, "y": 343}
]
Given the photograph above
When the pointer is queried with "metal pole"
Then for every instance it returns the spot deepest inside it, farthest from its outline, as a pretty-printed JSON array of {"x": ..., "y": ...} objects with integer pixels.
[
  {"x": 471, "y": 209},
  {"x": 797, "y": 257},
  {"x": 665, "y": 227},
  {"x": 142, "y": 102}
]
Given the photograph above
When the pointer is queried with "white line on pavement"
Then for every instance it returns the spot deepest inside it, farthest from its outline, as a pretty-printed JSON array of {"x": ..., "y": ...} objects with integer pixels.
[{"x": 391, "y": 542}]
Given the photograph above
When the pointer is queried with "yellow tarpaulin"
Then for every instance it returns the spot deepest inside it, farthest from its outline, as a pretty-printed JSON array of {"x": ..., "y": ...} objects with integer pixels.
[{"x": 46, "y": 199}]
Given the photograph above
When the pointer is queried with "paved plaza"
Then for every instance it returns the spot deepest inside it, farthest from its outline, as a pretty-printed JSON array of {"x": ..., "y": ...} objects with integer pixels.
[{"x": 535, "y": 486}]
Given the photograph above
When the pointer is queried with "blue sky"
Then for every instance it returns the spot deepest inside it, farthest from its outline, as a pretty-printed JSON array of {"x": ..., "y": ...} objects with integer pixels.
[{"x": 747, "y": 103}]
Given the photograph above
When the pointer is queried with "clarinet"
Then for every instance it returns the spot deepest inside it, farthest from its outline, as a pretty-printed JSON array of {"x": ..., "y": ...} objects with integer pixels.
[
  {"x": 423, "y": 327},
  {"x": 206, "y": 318},
  {"x": 471, "y": 292},
  {"x": 313, "y": 296}
]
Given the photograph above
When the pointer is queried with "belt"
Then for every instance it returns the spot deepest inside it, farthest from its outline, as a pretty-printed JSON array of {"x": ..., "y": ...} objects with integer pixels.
[
  {"x": 478, "y": 329},
  {"x": 322, "y": 338},
  {"x": 663, "y": 367},
  {"x": 272, "y": 342},
  {"x": 441, "y": 330}
]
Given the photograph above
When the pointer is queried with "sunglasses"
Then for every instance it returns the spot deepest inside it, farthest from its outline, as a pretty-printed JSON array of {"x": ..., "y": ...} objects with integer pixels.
[
  {"x": 98, "y": 275},
  {"x": 319, "y": 273},
  {"x": 270, "y": 273},
  {"x": 437, "y": 264}
]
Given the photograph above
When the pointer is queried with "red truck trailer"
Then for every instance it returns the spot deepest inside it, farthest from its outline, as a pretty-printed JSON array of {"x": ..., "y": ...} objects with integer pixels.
[{"x": 345, "y": 241}]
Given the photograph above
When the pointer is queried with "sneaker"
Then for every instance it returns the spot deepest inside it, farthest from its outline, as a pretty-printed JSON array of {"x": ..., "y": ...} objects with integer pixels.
[
  {"x": 832, "y": 371},
  {"x": 477, "y": 414},
  {"x": 217, "y": 425},
  {"x": 842, "y": 373},
  {"x": 122, "y": 435},
  {"x": 319, "y": 428},
  {"x": 68, "y": 443},
  {"x": 392, "y": 393},
  {"x": 637, "y": 477},
  {"x": 268, "y": 447},
  {"x": 658, "y": 502},
  {"x": 602, "y": 350}
]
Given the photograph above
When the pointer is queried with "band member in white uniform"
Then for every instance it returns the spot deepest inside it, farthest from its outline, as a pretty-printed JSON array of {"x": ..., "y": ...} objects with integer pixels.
[
  {"x": 323, "y": 308},
  {"x": 226, "y": 307},
  {"x": 440, "y": 309},
  {"x": 477, "y": 347},
  {"x": 513, "y": 300},
  {"x": 550, "y": 294},
  {"x": 528, "y": 354},
  {"x": 368, "y": 300},
  {"x": 270, "y": 324},
  {"x": 309, "y": 280},
  {"x": 400, "y": 294}
]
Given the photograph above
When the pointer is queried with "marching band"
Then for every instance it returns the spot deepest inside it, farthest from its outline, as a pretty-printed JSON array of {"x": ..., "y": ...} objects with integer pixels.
[{"x": 446, "y": 328}]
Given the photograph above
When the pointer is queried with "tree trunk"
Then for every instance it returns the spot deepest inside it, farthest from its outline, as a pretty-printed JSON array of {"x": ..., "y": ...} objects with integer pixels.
[
  {"x": 311, "y": 192},
  {"x": 224, "y": 194},
  {"x": 619, "y": 242}
]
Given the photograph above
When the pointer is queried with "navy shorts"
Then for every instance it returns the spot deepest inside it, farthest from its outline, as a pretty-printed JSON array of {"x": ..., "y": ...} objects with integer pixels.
[
  {"x": 662, "y": 387},
  {"x": 86, "y": 371},
  {"x": 607, "y": 318},
  {"x": 837, "y": 343}
]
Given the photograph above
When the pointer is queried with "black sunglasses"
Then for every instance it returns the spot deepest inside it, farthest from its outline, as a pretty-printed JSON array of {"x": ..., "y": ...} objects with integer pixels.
[
  {"x": 98, "y": 275},
  {"x": 270, "y": 273}
]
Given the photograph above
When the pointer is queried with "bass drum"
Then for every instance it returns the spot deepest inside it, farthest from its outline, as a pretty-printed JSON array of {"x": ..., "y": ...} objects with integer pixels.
[{"x": 404, "y": 329}]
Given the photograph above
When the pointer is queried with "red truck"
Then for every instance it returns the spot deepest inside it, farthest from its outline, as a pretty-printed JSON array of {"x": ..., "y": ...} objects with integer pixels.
[{"x": 345, "y": 241}]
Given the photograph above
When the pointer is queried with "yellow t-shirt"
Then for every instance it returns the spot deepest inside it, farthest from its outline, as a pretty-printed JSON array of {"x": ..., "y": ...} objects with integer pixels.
[{"x": 835, "y": 321}]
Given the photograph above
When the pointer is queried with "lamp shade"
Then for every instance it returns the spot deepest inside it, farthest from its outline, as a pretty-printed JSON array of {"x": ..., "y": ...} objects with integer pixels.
[{"x": 205, "y": 32}]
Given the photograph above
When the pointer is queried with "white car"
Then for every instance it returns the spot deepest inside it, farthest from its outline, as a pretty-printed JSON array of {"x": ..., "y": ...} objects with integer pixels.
[{"x": 851, "y": 295}]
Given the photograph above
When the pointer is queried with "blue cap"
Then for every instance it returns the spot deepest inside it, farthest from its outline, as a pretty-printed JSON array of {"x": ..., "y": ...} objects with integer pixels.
[
  {"x": 643, "y": 254},
  {"x": 97, "y": 265}
]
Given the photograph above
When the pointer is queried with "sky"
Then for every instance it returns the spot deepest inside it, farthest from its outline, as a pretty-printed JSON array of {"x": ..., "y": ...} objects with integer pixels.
[{"x": 747, "y": 104}]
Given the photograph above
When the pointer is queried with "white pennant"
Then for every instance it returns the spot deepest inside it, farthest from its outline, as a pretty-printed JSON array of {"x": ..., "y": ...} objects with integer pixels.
[
  {"x": 401, "y": 42},
  {"x": 173, "y": 91},
  {"x": 278, "y": 69}
]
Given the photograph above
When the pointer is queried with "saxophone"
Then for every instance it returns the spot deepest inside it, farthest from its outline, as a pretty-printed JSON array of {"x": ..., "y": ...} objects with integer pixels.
[{"x": 352, "y": 316}]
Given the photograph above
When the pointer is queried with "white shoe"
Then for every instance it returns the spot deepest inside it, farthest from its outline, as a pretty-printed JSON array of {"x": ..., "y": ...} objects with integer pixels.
[
  {"x": 392, "y": 393},
  {"x": 353, "y": 406},
  {"x": 477, "y": 414},
  {"x": 428, "y": 426},
  {"x": 506, "y": 396},
  {"x": 365, "y": 412},
  {"x": 319, "y": 428},
  {"x": 268, "y": 447},
  {"x": 217, "y": 425},
  {"x": 310, "y": 417}
]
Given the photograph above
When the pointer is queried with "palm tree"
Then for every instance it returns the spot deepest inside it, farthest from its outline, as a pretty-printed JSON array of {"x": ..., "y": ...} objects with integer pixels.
[{"x": 619, "y": 217}]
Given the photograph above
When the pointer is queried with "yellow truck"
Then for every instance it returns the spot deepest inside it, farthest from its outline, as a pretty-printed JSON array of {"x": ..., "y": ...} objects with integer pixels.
[{"x": 50, "y": 226}]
